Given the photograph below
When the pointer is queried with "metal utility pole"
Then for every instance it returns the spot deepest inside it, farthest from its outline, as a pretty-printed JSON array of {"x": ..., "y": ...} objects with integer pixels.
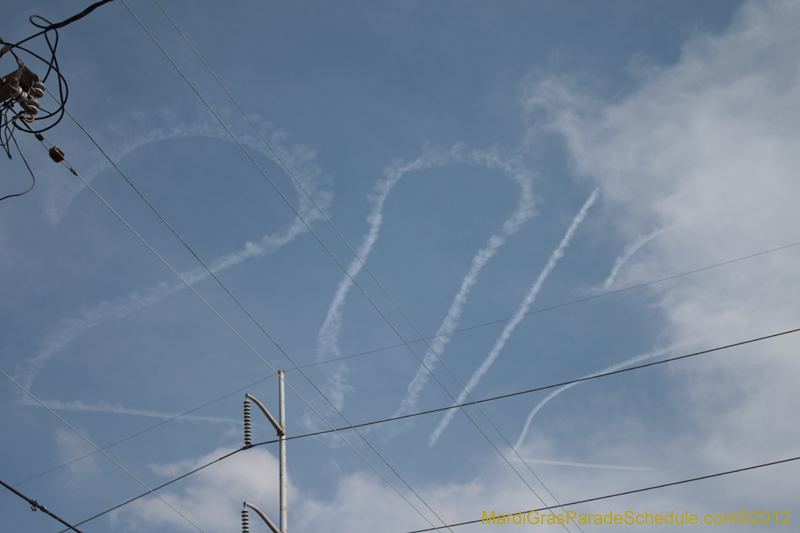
[{"x": 280, "y": 428}]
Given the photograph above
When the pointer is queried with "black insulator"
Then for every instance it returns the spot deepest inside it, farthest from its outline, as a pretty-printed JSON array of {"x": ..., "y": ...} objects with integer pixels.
[
  {"x": 245, "y": 521},
  {"x": 247, "y": 435},
  {"x": 56, "y": 154}
]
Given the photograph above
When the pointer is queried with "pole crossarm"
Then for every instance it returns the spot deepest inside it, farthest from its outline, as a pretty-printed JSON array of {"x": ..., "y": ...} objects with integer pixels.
[
  {"x": 280, "y": 428},
  {"x": 260, "y": 513}
]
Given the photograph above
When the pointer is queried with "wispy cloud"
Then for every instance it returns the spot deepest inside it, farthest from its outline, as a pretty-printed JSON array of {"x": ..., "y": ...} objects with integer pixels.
[
  {"x": 628, "y": 253},
  {"x": 524, "y": 211},
  {"x": 521, "y": 311}
]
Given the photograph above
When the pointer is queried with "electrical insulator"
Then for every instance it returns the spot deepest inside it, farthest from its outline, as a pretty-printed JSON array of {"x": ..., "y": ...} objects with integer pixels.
[
  {"x": 19, "y": 95},
  {"x": 37, "y": 89},
  {"x": 245, "y": 521},
  {"x": 56, "y": 154},
  {"x": 247, "y": 435}
]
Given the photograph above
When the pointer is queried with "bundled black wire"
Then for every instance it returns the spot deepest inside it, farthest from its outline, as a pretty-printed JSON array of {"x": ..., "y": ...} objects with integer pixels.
[{"x": 12, "y": 119}]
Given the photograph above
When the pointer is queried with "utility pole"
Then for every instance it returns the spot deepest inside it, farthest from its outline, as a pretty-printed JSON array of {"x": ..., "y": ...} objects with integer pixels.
[{"x": 280, "y": 428}]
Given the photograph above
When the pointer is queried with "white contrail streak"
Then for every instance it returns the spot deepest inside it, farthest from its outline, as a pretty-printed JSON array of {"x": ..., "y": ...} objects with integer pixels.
[
  {"x": 523, "y": 212},
  {"x": 523, "y": 309},
  {"x": 585, "y": 465},
  {"x": 612, "y": 368},
  {"x": 102, "y": 407},
  {"x": 328, "y": 336},
  {"x": 72, "y": 328},
  {"x": 628, "y": 252},
  {"x": 300, "y": 159}
]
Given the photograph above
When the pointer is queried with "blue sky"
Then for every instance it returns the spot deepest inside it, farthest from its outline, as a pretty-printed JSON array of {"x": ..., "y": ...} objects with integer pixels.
[{"x": 483, "y": 160}]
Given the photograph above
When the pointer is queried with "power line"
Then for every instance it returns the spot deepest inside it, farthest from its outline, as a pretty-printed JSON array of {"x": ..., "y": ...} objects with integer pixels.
[
  {"x": 355, "y": 254},
  {"x": 573, "y": 302},
  {"x": 36, "y": 505},
  {"x": 440, "y": 409},
  {"x": 555, "y": 385},
  {"x": 231, "y": 328},
  {"x": 628, "y": 492},
  {"x": 129, "y": 437},
  {"x": 84, "y": 437},
  {"x": 345, "y": 270},
  {"x": 311, "y": 230}
]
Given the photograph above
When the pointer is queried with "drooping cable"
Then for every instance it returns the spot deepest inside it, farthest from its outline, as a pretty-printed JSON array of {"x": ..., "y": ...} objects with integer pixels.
[
  {"x": 230, "y": 327},
  {"x": 345, "y": 270},
  {"x": 545, "y": 309},
  {"x": 238, "y": 302},
  {"x": 36, "y": 505},
  {"x": 29, "y": 170},
  {"x": 84, "y": 437},
  {"x": 431, "y": 411},
  {"x": 628, "y": 492}
]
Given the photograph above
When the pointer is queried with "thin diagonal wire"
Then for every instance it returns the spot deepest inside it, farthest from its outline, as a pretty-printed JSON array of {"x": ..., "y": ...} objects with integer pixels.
[
  {"x": 129, "y": 437},
  {"x": 636, "y": 491},
  {"x": 269, "y": 365},
  {"x": 422, "y": 413},
  {"x": 84, "y": 437},
  {"x": 241, "y": 306},
  {"x": 339, "y": 263},
  {"x": 36, "y": 505},
  {"x": 439, "y": 409},
  {"x": 170, "y": 482}
]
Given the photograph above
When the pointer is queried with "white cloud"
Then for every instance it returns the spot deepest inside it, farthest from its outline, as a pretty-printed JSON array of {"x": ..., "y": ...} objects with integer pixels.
[
  {"x": 70, "y": 447},
  {"x": 709, "y": 147},
  {"x": 213, "y": 498}
]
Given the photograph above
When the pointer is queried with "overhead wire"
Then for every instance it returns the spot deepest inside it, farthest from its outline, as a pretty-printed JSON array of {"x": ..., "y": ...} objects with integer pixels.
[
  {"x": 29, "y": 170},
  {"x": 30, "y": 108},
  {"x": 105, "y": 1},
  {"x": 368, "y": 352},
  {"x": 238, "y": 302},
  {"x": 465, "y": 404},
  {"x": 274, "y": 342},
  {"x": 84, "y": 437},
  {"x": 36, "y": 505},
  {"x": 629, "y": 492},
  {"x": 347, "y": 273}
]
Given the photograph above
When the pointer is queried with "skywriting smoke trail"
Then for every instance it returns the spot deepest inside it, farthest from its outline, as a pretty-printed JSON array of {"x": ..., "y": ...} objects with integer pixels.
[
  {"x": 73, "y": 328},
  {"x": 628, "y": 252},
  {"x": 612, "y": 368},
  {"x": 522, "y": 310},
  {"x": 59, "y": 337},
  {"x": 328, "y": 336},
  {"x": 523, "y": 212}
]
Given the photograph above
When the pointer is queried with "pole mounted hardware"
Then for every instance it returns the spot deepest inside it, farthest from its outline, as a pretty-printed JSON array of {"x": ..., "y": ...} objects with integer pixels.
[
  {"x": 280, "y": 428},
  {"x": 23, "y": 87}
]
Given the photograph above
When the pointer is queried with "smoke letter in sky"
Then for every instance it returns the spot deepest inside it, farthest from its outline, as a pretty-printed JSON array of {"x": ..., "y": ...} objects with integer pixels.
[
  {"x": 628, "y": 252},
  {"x": 72, "y": 328},
  {"x": 612, "y": 368},
  {"x": 524, "y": 211},
  {"x": 523, "y": 309},
  {"x": 328, "y": 336}
]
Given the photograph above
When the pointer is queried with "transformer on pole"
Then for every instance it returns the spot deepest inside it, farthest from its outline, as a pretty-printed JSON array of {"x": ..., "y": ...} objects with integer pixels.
[{"x": 280, "y": 428}]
